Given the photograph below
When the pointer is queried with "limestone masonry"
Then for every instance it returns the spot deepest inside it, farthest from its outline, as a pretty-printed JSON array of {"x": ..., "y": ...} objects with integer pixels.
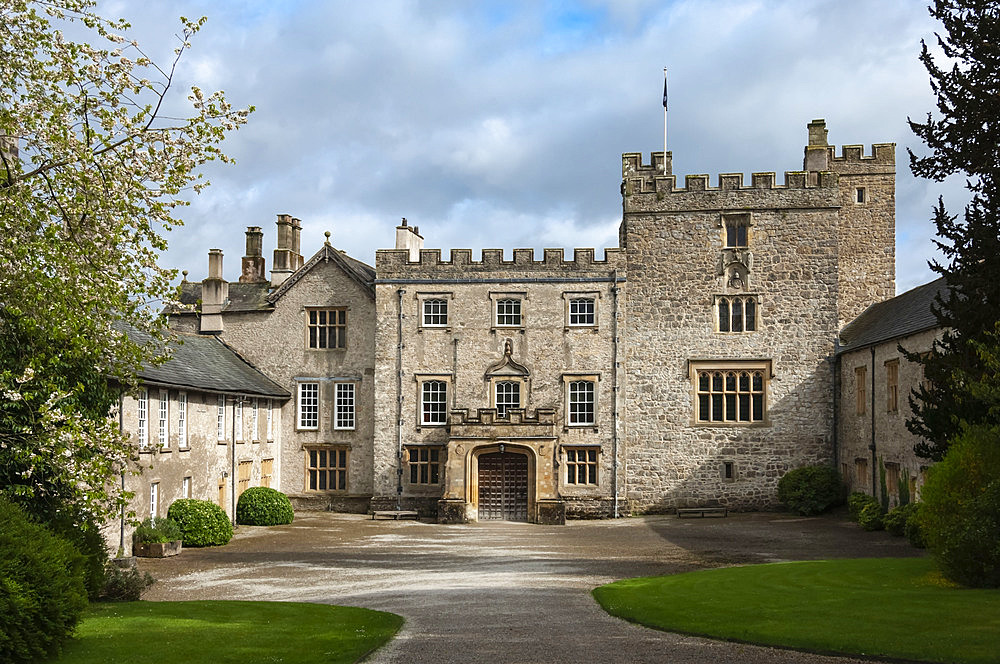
[{"x": 691, "y": 366}]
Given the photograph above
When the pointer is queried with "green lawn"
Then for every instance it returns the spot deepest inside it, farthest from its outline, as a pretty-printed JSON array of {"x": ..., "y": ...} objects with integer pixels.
[
  {"x": 896, "y": 607},
  {"x": 220, "y": 632}
]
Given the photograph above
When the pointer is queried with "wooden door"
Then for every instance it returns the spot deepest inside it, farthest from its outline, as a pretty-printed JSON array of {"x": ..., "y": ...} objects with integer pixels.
[{"x": 503, "y": 486}]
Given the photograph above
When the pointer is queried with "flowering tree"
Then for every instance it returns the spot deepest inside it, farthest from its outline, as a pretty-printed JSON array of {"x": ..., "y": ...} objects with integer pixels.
[{"x": 92, "y": 173}]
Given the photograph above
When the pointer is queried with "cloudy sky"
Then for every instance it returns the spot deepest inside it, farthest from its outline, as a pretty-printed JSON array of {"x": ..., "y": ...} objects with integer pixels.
[{"x": 501, "y": 124}]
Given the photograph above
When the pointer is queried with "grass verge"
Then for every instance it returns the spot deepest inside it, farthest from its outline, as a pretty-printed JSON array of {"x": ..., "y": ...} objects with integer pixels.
[
  {"x": 222, "y": 631},
  {"x": 886, "y": 607}
]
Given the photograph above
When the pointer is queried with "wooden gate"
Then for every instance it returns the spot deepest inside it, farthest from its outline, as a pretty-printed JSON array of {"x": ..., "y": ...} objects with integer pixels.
[{"x": 503, "y": 486}]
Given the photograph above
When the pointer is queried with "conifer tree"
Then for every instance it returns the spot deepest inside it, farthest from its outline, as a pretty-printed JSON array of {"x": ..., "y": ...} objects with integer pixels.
[{"x": 964, "y": 139}]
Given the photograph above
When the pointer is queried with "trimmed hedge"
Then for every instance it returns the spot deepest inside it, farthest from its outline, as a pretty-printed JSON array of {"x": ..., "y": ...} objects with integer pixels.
[
  {"x": 42, "y": 588},
  {"x": 203, "y": 523},
  {"x": 261, "y": 506},
  {"x": 811, "y": 489},
  {"x": 914, "y": 528}
]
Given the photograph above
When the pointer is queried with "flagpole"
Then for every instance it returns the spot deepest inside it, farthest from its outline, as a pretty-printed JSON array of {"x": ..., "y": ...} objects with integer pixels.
[{"x": 664, "y": 120}]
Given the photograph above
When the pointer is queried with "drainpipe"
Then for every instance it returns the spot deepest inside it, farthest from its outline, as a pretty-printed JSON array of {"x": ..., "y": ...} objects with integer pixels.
[
  {"x": 232, "y": 464},
  {"x": 614, "y": 390},
  {"x": 121, "y": 518},
  {"x": 399, "y": 399},
  {"x": 836, "y": 403},
  {"x": 872, "y": 446}
]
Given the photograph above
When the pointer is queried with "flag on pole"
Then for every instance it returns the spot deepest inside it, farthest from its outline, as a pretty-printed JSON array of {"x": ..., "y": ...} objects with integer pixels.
[{"x": 664, "y": 89}]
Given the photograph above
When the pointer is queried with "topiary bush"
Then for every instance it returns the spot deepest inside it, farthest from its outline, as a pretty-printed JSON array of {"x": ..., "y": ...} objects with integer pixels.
[
  {"x": 42, "y": 588},
  {"x": 856, "y": 501},
  {"x": 870, "y": 516},
  {"x": 202, "y": 523},
  {"x": 158, "y": 529},
  {"x": 261, "y": 506},
  {"x": 896, "y": 518},
  {"x": 811, "y": 489}
]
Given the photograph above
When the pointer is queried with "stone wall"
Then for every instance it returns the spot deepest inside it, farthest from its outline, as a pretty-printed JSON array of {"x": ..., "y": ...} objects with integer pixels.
[
  {"x": 893, "y": 441},
  {"x": 674, "y": 243},
  {"x": 276, "y": 343},
  {"x": 461, "y": 353},
  {"x": 206, "y": 459}
]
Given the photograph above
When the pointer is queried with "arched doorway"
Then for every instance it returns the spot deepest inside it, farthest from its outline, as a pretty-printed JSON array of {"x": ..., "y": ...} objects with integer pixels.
[{"x": 503, "y": 486}]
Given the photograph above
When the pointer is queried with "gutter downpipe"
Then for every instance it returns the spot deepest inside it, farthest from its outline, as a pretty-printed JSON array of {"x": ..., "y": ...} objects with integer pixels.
[
  {"x": 872, "y": 446},
  {"x": 232, "y": 463},
  {"x": 836, "y": 403},
  {"x": 614, "y": 389},
  {"x": 399, "y": 399},
  {"x": 121, "y": 518}
]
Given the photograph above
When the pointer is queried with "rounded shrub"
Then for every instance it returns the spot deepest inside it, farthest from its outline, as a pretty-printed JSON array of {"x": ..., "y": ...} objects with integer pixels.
[
  {"x": 856, "y": 501},
  {"x": 896, "y": 518},
  {"x": 261, "y": 506},
  {"x": 42, "y": 588},
  {"x": 202, "y": 523},
  {"x": 811, "y": 489},
  {"x": 870, "y": 516}
]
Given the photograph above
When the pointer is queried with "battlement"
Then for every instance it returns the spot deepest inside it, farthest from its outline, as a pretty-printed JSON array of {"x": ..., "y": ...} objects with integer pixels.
[
  {"x": 640, "y": 178},
  {"x": 389, "y": 260},
  {"x": 881, "y": 153}
]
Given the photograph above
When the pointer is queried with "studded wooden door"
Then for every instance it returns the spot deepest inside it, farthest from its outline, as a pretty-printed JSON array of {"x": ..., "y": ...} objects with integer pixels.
[{"x": 503, "y": 487}]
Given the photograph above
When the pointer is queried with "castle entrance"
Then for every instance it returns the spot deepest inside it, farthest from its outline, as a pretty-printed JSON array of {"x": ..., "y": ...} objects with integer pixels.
[{"x": 503, "y": 486}]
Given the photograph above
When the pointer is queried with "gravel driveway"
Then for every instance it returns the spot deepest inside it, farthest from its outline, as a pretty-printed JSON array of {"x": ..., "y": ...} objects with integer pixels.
[{"x": 507, "y": 592}]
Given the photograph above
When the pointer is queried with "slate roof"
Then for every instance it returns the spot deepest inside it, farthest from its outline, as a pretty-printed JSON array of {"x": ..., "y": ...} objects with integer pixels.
[
  {"x": 903, "y": 315},
  {"x": 203, "y": 362}
]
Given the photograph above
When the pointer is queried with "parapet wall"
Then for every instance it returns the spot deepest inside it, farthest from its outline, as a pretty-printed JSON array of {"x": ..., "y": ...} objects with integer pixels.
[
  {"x": 395, "y": 263},
  {"x": 648, "y": 178}
]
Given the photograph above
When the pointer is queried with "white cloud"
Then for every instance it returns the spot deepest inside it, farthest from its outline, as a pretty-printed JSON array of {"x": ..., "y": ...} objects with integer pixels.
[{"x": 501, "y": 124}]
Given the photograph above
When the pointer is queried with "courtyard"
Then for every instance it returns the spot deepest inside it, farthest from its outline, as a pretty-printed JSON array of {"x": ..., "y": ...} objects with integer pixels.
[{"x": 507, "y": 592}]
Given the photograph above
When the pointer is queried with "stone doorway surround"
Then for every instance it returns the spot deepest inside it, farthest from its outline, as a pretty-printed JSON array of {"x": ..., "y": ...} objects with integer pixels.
[
  {"x": 503, "y": 483},
  {"x": 519, "y": 432}
]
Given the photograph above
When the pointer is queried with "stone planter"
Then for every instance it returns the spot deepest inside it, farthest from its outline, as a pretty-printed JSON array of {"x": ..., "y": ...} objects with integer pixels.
[{"x": 156, "y": 549}]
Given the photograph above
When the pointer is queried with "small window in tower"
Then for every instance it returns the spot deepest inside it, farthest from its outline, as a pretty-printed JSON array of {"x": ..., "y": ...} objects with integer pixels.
[
  {"x": 860, "y": 195},
  {"x": 737, "y": 231}
]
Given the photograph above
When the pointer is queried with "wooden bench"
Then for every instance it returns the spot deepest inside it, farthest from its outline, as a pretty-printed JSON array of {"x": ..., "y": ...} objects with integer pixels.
[
  {"x": 701, "y": 512},
  {"x": 395, "y": 515}
]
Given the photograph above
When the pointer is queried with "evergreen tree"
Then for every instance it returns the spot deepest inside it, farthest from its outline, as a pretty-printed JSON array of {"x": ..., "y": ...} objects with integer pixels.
[{"x": 964, "y": 139}]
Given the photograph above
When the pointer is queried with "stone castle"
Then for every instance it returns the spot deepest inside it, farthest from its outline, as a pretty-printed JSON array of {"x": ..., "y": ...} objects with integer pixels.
[{"x": 693, "y": 365}]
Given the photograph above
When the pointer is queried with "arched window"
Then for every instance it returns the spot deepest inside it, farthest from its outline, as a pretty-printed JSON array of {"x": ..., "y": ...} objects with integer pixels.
[{"x": 737, "y": 313}]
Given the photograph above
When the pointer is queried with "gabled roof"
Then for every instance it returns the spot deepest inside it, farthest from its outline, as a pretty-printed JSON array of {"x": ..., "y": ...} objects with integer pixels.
[
  {"x": 362, "y": 273},
  {"x": 903, "y": 315},
  {"x": 201, "y": 362},
  {"x": 257, "y": 296}
]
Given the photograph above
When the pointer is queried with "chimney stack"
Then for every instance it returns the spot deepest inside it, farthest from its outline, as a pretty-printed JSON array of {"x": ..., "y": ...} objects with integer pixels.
[
  {"x": 253, "y": 262},
  {"x": 284, "y": 257},
  {"x": 296, "y": 243},
  {"x": 818, "y": 151},
  {"x": 408, "y": 237},
  {"x": 214, "y": 295}
]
